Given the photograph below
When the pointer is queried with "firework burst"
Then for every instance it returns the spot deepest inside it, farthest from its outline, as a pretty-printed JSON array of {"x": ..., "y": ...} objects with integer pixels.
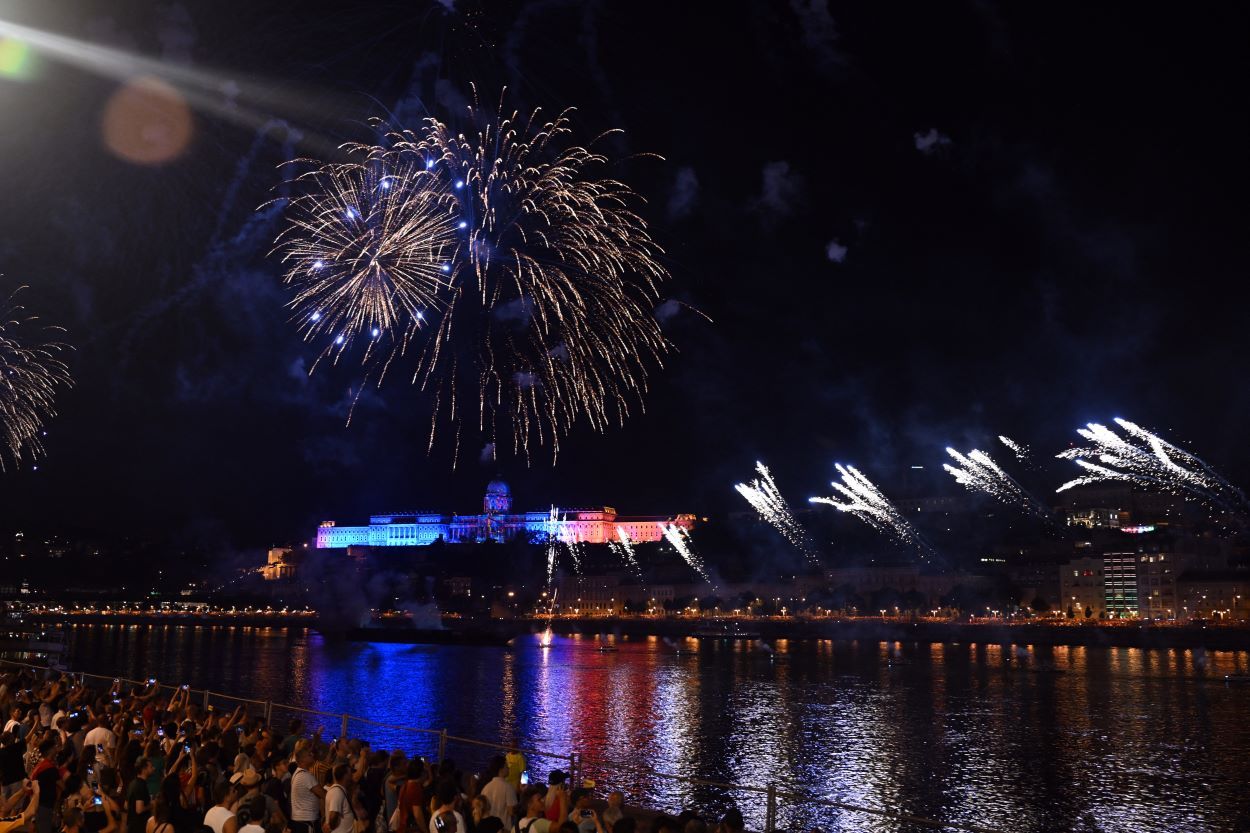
[
  {"x": 1021, "y": 451},
  {"x": 679, "y": 539},
  {"x": 1145, "y": 459},
  {"x": 367, "y": 252},
  {"x": 864, "y": 500},
  {"x": 764, "y": 496},
  {"x": 978, "y": 472},
  {"x": 537, "y": 278},
  {"x": 31, "y": 371},
  {"x": 624, "y": 549}
]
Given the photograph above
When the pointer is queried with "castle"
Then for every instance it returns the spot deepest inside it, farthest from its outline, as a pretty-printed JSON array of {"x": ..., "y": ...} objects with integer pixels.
[{"x": 497, "y": 522}]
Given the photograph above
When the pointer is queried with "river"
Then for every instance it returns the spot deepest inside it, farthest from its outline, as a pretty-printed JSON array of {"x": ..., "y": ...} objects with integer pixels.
[{"x": 1116, "y": 739}]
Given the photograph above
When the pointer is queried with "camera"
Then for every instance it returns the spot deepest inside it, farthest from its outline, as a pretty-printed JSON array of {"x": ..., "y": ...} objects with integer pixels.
[
  {"x": 587, "y": 813},
  {"x": 97, "y": 800}
]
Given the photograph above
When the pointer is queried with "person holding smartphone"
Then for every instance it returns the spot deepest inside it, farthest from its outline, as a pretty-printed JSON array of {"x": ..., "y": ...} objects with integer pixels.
[{"x": 583, "y": 815}]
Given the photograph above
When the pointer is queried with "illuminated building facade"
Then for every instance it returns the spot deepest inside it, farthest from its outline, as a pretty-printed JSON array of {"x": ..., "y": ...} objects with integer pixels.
[{"x": 497, "y": 522}]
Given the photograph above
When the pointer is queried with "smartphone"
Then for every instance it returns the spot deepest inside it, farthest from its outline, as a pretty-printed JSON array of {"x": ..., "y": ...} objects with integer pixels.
[
  {"x": 137, "y": 733},
  {"x": 525, "y": 777},
  {"x": 441, "y": 823},
  {"x": 151, "y": 680},
  {"x": 117, "y": 680},
  {"x": 186, "y": 747},
  {"x": 185, "y": 686},
  {"x": 116, "y": 701},
  {"x": 587, "y": 813},
  {"x": 97, "y": 800},
  {"x": 99, "y": 747}
]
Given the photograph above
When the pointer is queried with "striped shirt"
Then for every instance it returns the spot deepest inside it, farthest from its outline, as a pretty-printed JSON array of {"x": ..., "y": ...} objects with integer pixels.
[{"x": 305, "y": 806}]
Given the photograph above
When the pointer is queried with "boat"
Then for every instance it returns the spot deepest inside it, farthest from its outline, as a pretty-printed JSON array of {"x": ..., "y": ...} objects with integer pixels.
[
  {"x": 26, "y": 641},
  {"x": 1237, "y": 678},
  {"x": 726, "y": 631}
]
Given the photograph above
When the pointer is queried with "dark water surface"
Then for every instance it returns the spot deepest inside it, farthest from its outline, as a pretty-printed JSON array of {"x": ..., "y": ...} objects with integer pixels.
[{"x": 1122, "y": 740}]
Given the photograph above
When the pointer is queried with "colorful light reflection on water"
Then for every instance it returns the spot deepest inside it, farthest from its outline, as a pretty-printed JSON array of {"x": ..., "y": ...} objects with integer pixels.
[{"x": 1134, "y": 740}]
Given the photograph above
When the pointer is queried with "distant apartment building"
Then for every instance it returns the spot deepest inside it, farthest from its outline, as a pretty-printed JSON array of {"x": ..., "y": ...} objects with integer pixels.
[
  {"x": 1082, "y": 588},
  {"x": 1214, "y": 594}
]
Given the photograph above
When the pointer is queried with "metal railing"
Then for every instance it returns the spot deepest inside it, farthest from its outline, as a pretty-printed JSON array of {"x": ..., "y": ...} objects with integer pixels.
[{"x": 574, "y": 762}]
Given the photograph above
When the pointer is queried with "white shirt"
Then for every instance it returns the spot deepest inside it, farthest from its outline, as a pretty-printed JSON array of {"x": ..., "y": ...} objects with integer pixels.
[
  {"x": 8, "y": 727},
  {"x": 338, "y": 802},
  {"x": 251, "y": 827},
  {"x": 304, "y": 804},
  {"x": 101, "y": 736},
  {"x": 460, "y": 828},
  {"x": 216, "y": 818},
  {"x": 500, "y": 798}
]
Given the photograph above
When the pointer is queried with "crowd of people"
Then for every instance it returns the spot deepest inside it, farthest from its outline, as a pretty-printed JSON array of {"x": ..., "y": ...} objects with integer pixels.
[{"x": 145, "y": 759}]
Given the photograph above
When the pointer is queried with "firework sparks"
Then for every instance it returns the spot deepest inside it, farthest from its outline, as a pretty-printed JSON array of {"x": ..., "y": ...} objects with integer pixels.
[
  {"x": 978, "y": 472},
  {"x": 31, "y": 371},
  {"x": 367, "y": 252},
  {"x": 1021, "y": 451},
  {"x": 624, "y": 549},
  {"x": 1145, "y": 459},
  {"x": 679, "y": 539},
  {"x": 864, "y": 500},
  {"x": 764, "y": 496},
  {"x": 553, "y": 527},
  {"x": 537, "y": 280}
]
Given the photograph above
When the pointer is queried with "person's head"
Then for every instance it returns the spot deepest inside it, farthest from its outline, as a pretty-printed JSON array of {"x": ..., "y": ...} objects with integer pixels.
[
  {"x": 696, "y": 825},
  {"x": 224, "y": 793},
  {"x": 143, "y": 766},
  {"x": 616, "y": 799},
  {"x": 304, "y": 756},
  {"x": 160, "y": 809},
  {"x": 108, "y": 779},
  {"x": 479, "y": 807},
  {"x": 497, "y": 767},
  {"x": 46, "y": 748},
  {"x": 625, "y": 825},
  {"x": 446, "y": 793},
  {"x": 71, "y": 818},
  {"x": 399, "y": 763},
  {"x": 665, "y": 824},
  {"x": 532, "y": 801},
  {"x": 732, "y": 821},
  {"x": 580, "y": 798},
  {"x": 342, "y": 774},
  {"x": 416, "y": 769},
  {"x": 557, "y": 778}
]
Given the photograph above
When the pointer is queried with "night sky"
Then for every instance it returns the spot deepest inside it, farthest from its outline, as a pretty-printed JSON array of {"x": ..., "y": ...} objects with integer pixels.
[{"x": 910, "y": 227}]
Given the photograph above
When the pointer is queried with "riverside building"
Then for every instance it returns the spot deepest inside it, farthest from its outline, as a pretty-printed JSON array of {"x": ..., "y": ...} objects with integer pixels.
[{"x": 497, "y": 522}]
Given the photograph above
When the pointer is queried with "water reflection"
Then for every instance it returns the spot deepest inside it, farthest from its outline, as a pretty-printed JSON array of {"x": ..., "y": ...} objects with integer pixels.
[{"x": 1017, "y": 737}]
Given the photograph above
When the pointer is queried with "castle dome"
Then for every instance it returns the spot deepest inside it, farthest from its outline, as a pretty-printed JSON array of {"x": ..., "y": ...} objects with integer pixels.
[{"x": 498, "y": 498}]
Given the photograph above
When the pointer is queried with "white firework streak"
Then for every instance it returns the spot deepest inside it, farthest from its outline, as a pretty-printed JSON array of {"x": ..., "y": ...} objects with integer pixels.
[
  {"x": 553, "y": 526},
  {"x": 1021, "y": 451},
  {"x": 1147, "y": 460},
  {"x": 978, "y": 471},
  {"x": 624, "y": 549},
  {"x": 865, "y": 501},
  {"x": 764, "y": 496},
  {"x": 679, "y": 539}
]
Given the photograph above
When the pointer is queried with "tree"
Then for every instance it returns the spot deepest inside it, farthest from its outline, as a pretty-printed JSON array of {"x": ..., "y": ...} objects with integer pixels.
[
  {"x": 1040, "y": 605},
  {"x": 1071, "y": 612},
  {"x": 915, "y": 600},
  {"x": 1089, "y": 612}
]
